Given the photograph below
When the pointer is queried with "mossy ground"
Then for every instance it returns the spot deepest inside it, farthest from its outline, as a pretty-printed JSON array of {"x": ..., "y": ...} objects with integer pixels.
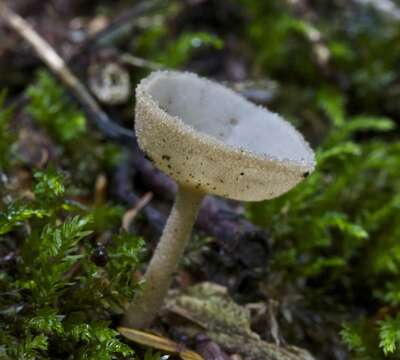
[{"x": 334, "y": 263}]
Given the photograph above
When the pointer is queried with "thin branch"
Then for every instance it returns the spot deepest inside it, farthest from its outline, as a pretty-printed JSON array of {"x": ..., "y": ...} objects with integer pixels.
[
  {"x": 60, "y": 69},
  {"x": 122, "y": 25},
  {"x": 122, "y": 189},
  {"x": 131, "y": 214},
  {"x": 140, "y": 62}
]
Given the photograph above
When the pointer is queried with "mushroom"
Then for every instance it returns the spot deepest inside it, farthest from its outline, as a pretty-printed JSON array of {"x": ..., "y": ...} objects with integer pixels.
[{"x": 210, "y": 140}]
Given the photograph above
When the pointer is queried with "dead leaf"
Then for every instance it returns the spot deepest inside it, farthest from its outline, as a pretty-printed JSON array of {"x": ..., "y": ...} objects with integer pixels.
[{"x": 158, "y": 342}]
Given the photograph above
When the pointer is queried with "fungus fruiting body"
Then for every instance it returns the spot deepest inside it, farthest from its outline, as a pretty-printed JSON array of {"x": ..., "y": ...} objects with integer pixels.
[{"x": 210, "y": 140}]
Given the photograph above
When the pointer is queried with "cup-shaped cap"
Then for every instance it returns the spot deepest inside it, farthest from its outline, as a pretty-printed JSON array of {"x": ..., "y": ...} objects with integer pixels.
[{"x": 207, "y": 137}]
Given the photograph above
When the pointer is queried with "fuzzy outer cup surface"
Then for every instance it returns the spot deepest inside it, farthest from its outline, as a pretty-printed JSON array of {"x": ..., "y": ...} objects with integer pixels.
[{"x": 208, "y": 138}]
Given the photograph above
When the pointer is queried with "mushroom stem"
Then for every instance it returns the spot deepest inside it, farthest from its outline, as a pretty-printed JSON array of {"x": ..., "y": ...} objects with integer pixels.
[{"x": 163, "y": 264}]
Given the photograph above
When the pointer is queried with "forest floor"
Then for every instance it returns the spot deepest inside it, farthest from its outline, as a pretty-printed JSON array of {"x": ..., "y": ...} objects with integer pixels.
[{"x": 294, "y": 279}]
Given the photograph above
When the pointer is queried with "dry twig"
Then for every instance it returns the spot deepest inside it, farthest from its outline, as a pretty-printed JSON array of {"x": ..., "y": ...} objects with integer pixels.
[{"x": 60, "y": 69}]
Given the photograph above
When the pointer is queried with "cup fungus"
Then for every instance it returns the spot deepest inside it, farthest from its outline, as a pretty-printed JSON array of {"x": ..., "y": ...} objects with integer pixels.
[{"x": 210, "y": 140}]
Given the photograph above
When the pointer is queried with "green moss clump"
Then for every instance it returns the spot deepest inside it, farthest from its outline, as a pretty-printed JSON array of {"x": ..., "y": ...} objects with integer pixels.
[
  {"x": 339, "y": 230},
  {"x": 58, "y": 291},
  {"x": 65, "y": 266}
]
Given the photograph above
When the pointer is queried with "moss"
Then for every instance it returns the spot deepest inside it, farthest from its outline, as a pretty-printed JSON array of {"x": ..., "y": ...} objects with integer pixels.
[{"x": 211, "y": 311}]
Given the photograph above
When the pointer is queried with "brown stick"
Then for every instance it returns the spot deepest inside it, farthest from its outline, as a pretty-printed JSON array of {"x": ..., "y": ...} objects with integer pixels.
[
  {"x": 123, "y": 24},
  {"x": 60, "y": 69}
]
